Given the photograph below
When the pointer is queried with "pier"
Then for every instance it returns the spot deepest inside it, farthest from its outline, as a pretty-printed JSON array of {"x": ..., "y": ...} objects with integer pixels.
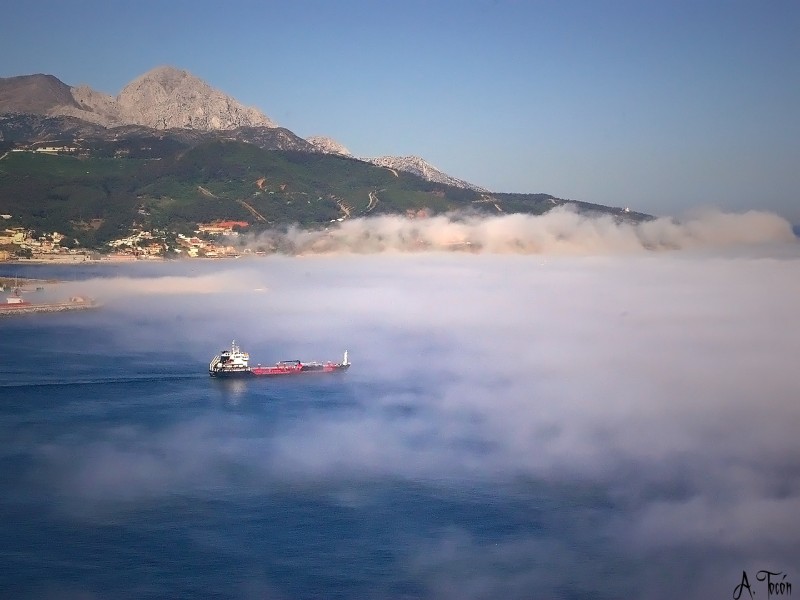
[{"x": 26, "y": 309}]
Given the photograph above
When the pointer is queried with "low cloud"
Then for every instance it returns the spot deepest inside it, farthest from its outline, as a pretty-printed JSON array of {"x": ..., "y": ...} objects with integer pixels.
[
  {"x": 561, "y": 231},
  {"x": 661, "y": 384}
]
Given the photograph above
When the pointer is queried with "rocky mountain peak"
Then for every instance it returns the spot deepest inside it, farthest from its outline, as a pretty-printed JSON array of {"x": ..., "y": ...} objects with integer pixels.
[
  {"x": 328, "y": 145},
  {"x": 162, "y": 98},
  {"x": 165, "y": 77},
  {"x": 166, "y": 97},
  {"x": 422, "y": 168},
  {"x": 33, "y": 93},
  {"x": 409, "y": 164},
  {"x": 170, "y": 98}
]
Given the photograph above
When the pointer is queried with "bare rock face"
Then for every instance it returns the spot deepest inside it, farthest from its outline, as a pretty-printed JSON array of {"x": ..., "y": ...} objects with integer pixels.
[
  {"x": 418, "y": 166},
  {"x": 170, "y": 98},
  {"x": 36, "y": 94},
  {"x": 327, "y": 145},
  {"x": 408, "y": 164},
  {"x": 166, "y": 98},
  {"x": 93, "y": 106}
]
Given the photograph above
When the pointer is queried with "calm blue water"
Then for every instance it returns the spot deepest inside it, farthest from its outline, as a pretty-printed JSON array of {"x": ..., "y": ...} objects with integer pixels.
[
  {"x": 227, "y": 528},
  {"x": 127, "y": 473}
]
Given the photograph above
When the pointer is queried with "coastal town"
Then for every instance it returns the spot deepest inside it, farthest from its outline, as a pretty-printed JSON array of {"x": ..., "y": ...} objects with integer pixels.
[{"x": 209, "y": 240}]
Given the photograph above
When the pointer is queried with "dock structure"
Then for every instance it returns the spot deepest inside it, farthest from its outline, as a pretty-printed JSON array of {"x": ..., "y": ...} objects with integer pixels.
[{"x": 27, "y": 309}]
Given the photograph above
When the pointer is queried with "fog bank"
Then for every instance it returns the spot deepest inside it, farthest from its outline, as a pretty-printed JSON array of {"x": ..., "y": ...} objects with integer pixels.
[
  {"x": 559, "y": 231},
  {"x": 661, "y": 385}
]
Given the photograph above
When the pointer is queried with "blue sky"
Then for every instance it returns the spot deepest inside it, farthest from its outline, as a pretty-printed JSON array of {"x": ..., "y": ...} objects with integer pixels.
[{"x": 660, "y": 106}]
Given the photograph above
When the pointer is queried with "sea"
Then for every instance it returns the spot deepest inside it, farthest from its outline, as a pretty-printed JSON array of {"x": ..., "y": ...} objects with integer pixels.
[{"x": 471, "y": 451}]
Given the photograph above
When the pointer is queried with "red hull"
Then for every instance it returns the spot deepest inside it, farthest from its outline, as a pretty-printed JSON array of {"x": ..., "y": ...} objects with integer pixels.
[
  {"x": 234, "y": 363},
  {"x": 278, "y": 371}
]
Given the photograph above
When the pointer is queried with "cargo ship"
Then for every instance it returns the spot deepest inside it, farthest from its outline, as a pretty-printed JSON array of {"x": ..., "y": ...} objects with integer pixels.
[{"x": 235, "y": 363}]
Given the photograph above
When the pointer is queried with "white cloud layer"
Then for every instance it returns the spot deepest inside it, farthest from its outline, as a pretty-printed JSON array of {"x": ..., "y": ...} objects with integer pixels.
[
  {"x": 559, "y": 231},
  {"x": 667, "y": 380}
]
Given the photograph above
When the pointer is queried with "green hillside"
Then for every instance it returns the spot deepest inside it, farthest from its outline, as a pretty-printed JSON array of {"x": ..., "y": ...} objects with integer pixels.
[{"x": 95, "y": 199}]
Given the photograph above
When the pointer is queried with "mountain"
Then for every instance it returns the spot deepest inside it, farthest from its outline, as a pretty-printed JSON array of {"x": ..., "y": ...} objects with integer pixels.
[
  {"x": 170, "y": 151},
  {"x": 328, "y": 145},
  {"x": 163, "y": 98},
  {"x": 410, "y": 164},
  {"x": 421, "y": 168},
  {"x": 35, "y": 94}
]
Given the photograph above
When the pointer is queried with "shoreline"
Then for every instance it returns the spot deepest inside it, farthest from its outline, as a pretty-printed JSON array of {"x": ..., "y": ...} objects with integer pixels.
[
  {"x": 48, "y": 307},
  {"x": 78, "y": 262},
  {"x": 9, "y": 281}
]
